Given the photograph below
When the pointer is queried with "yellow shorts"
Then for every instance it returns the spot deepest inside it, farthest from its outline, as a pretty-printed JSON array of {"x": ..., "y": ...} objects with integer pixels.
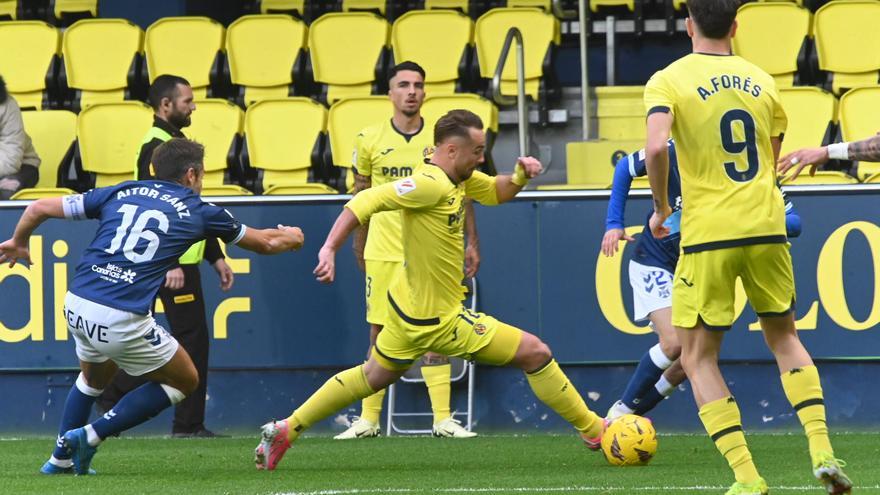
[
  {"x": 705, "y": 283},
  {"x": 380, "y": 274},
  {"x": 468, "y": 335}
]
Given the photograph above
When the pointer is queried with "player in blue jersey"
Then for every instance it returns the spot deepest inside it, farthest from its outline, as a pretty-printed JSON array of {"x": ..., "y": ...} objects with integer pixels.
[
  {"x": 144, "y": 228},
  {"x": 650, "y": 275}
]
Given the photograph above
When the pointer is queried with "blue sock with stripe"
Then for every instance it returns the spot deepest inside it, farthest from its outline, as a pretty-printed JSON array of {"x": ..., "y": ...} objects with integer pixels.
[
  {"x": 655, "y": 395},
  {"x": 649, "y": 370},
  {"x": 77, "y": 409},
  {"x": 134, "y": 408}
]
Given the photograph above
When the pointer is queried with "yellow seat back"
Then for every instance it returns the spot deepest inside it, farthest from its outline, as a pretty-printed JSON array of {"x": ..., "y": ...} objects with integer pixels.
[
  {"x": 436, "y": 40},
  {"x": 215, "y": 124},
  {"x": 595, "y": 5},
  {"x": 348, "y": 118},
  {"x": 185, "y": 47},
  {"x": 811, "y": 113},
  {"x": 41, "y": 192},
  {"x": 353, "y": 5},
  {"x": 98, "y": 54},
  {"x": 345, "y": 48},
  {"x": 461, "y": 5},
  {"x": 27, "y": 49},
  {"x": 437, "y": 106},
  {"x": 297, "y": 189},
  {"x": 593, "y": 162},
  {"x": 224, "y": 190},
  {"x": 52, "y": 132},
  {"x": 110, "y": 137},
  {"x": 780, "y": 25},
  {"x": 842, "y": 43},
  {"x": 620, "y": 111},
  {"x": 9, "y": 8},
  {"x": 859, "y": 109},
  {"x": 262, "y": 50},
  {"x": 268, "y": 6},
  {"x": 822, "y": 177},
  {"x": 70, "y": 6},
  {"x": 281, "y": 135}
]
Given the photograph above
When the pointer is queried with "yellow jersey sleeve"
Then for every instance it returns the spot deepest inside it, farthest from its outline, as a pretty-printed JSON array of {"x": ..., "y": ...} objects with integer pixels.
[
  {"x": 780, "y": 120},
  {"x": 363, "y": 153},
  {"x": 481, "y": 187},
  {"x": 413, "y": 193},
  {"x": 659, "y": 95}
]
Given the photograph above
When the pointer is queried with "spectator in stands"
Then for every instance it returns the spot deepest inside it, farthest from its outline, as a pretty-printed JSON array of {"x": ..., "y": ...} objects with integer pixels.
[
  {"x": 19, "y": 163},
  {"x": 172, "y": 100}
]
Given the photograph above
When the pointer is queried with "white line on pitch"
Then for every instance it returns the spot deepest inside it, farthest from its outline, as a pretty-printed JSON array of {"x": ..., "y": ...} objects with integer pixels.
[{"x": 559, "y": 489}]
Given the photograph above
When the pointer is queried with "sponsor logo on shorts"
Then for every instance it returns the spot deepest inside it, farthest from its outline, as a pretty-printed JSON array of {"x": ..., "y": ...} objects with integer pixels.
[{"x": 479, "y": 329}]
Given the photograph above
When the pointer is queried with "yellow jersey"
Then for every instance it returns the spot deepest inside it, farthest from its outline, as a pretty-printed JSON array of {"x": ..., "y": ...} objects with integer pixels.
[
  {"x": 432, "y": 213},
  {"x": 725, "y": 110},
  {"x": 385, "y": 155}
]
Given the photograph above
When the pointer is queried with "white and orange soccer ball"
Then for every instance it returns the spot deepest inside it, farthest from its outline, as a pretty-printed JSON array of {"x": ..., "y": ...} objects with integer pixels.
[{"x": 629, "y": 440}]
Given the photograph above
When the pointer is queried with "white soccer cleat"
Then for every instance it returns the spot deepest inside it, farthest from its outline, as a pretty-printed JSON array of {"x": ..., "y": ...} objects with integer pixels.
[
  {"x": 617, "y": 410},
  {"x": 360, "y": 428},
  {"x": 829, "y": 472},
  {"x": 451, "y": 428}
]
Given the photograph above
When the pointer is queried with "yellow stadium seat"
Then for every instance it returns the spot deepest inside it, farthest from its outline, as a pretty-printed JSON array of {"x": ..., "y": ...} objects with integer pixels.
[
  {"x": 438, "y": 40},
  {"x": 276, "y": 6},
  {"x": 858, "y": 113},
  {"x": 822, "y": 177},
  {"x": 460, "y": 5},
  {"x": 65, "y": 7},
  {"x": 53, "y": 133},
  {"x": 188, "y": 47},
  {"x": 640, "y": 183},
  {"x": 264, "y": 53},
  {"x": 361, "y": 5},
  {"x": 283, "y": 140},
  {"x": 109, "y": 137},
  {"x": 847, "y": 44},
  {"x": 42, "y": 192},
  {"x": 780, "y": 25},
  {"x": 811, "y": 113},
  {"x": 298, "y": 189},
  {"x": 8, "y": 10},
  {"x": 28, "y": 51},
  {"x": 437, "y": 106},
  {"x": 218, "y": 125},
  {"x": 620, "y": 111},
  {"x": 100, "y": 57},
  {"x": 224, "y": 190},
  {"x": 679, "y": 4},
  {"x": 595, "y": 5},
  {"x": 346, "y": 120},
  {"x": 541, "y": 4},
  {"x": 873, "y": 179},
  {"x": 540, "y": 32},
  {"x": 346, "y": 49},
  {"x": 592, "y": 163}
]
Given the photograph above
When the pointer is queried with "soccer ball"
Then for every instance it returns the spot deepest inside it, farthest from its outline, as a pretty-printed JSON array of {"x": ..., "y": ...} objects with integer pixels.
[{"x": 629, "y": 440}]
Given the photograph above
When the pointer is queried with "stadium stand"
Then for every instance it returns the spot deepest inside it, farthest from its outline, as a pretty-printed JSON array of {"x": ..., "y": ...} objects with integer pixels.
[
  {"x": 30, "y": 68},
  {"x": 590, "y": 164},
  {"x": 620, "y": 111},
  {"x": 858, "y": 120},
  {"x": 462, "y": 6},
  {"x": 265, "y": 54},
  {"x": 441, "y": 41},
  {"x": 346, "y": 119},
  {"x": 847, "y": 46},
  {"x": 8, "y": 10},
  {"x": 348, "y": 54},
  {"x": 634, "y": 8},
  {"x": 297, "y": 7},
  {"x": 224, "y": 190},
  {"x": 68, "y": 11},
  {"x": 811, "y": 116},
  {"x": 190, "y": 47},
  {"x": 53, "y": 133},
  {"x": 541, "y": 4},
  {"x": 377, "y": 6},
  {"x": 295, "y": 189},
  {"x": 822, "y": 177},
  {"x": 540, "y": 32},
  {"x": 108, "y": 138},
  {"x": 218, "y": 125},
  {"x": 101, "y": 61},
  {"x": 437, "y": 106},
  {"x": 782, "y": 25},
  {"x": 283, "y": 143}
]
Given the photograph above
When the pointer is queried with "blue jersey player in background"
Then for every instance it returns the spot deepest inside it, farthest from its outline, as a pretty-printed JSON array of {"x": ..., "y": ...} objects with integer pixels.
[
  {"x": 650, "y": 275},
  {"x": 144, "y": 228}
]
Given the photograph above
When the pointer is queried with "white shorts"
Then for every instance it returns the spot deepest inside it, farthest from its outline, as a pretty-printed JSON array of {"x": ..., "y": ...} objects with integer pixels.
[
  {"x": 136, "y": 343},
  {"x": 652, "y": 289}
]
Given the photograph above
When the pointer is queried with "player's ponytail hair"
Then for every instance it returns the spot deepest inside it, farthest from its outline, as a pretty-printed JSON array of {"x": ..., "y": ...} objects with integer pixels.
[
  {"x": 174, "y": 157},
  {"x": 456, "y": 123}
]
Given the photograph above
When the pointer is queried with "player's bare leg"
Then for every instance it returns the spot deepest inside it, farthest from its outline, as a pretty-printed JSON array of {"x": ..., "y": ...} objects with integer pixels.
[
  {"x": 800, "y": 380},
  {"x": 367, "y": 424}
]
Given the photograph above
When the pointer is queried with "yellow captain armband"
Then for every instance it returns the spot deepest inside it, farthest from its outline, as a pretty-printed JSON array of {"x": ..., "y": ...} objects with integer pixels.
[{"x": 519, "y": 176}]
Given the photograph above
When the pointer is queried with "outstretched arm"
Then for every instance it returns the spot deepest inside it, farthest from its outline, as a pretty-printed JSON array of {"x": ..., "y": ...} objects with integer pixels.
[
  {"x": 272, "y": 241},
  {"x": 345, "y": 223},
  {"x": 508, "y": 186},
  {"x": 35, "y": 214},
  {"x": 657, "y": 162},
  {"x": 867, "y": 150}
]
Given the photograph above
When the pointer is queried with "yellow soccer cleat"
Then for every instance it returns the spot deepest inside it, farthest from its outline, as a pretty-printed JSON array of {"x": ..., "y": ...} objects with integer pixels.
[
  {"x": 756, "y": 488},
  {"x": 829, "y": 471},
  {"x": 451, "y": 428},
  {"x": 360, "y": 428}
]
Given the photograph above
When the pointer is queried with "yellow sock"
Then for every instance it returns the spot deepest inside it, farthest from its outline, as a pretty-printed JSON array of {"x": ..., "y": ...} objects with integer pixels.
[
  {"x": 723, "y": 424},
  {"x": 553, "y": 388},
  {"x": 804, "y": 391},
  {"x": 371, "y": 407},
  {"x": 339, "y": 391},
  {"x": 437, "y": 379}
]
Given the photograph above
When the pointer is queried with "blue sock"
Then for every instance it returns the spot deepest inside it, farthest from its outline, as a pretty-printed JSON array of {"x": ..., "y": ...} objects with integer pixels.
[
  {"x": 77, "y": 409},
  {"x": 649, "y": 370},
  {"x": 134, "y": 408},
  {"x": 661, "y": 390}
]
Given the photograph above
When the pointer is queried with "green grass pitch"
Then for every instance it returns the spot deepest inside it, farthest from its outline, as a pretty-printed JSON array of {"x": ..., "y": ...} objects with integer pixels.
[{"x": 530, "y": 464}]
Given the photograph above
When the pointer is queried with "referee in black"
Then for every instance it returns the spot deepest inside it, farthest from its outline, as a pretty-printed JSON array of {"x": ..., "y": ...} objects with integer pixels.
[{"x": 172, "y": 100}]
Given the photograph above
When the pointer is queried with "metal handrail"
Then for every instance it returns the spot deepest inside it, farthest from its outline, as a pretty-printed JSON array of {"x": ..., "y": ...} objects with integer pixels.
[
  {"x": 585, "y": 82},
  {"x": 560, "y": 12},
  {"x": 520, "y": 98}
]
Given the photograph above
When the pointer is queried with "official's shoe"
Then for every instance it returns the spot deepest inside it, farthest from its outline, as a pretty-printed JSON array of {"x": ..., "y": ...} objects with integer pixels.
[
  {"x": 273, "y": 445},
  {"x": 595, "y": 443},
  {"x": 451, "y": 428},
  {"x": 829, "y": 471},
  {"x": 51, "y": 469},
  {"x": 76, "y": 441},
  {"x": 756, "y": 488},
  {"x": 360, "y": 428}
]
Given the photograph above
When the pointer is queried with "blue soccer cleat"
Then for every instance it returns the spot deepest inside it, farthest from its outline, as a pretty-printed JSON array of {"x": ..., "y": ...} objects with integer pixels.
[
  {"x": 76, "y": 441},
  {"x": 51, "y": 469}
]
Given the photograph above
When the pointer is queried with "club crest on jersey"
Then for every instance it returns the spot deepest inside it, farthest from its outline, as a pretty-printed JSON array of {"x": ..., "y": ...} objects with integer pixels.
[
  {"x": 479, "y": 329},
  {"x": 428, "y": 151},
  {"x": 404, "y": 186}
]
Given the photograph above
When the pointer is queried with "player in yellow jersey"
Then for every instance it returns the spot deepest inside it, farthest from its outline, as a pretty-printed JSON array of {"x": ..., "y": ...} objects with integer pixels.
[
  {"x": 385, "y": 152},
  {"x": 427, "y": 314},
  {"x": 727, "y": 122}
]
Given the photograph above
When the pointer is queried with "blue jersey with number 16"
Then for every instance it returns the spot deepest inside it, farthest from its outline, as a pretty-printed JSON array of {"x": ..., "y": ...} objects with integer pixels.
[{"x": 145, "y": 227}]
